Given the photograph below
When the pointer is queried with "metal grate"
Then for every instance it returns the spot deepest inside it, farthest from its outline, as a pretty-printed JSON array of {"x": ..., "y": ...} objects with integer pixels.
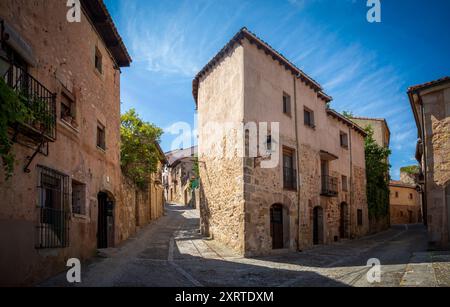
[
  {"x": 329, "y": 186},
  {"x": 290, "y": 178},
  {"x": 53, "y": 224}
]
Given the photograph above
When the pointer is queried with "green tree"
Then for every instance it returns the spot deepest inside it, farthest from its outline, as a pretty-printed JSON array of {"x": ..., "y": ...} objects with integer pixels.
[
  {"x": 348, "y": 114},
  {"x": 377, "y": 172},
  {"x": 139, "y": 152}
]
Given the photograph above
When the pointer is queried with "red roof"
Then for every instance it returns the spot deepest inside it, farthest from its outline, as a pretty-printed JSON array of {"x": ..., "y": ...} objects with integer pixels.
[{"x": 428, "y": 84}]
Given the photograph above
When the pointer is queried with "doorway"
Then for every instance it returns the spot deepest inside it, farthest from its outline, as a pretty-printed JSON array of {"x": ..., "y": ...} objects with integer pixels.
[
  {"x": 344, "y": 221},
  {"x": 105, "y": 223},
  {"x": 276, "y": 226},
  {"x": 318, "y": 226}
]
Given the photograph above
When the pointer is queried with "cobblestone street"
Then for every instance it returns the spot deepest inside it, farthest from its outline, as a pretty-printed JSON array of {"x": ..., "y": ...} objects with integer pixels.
[{"x": 171, "y": 253}]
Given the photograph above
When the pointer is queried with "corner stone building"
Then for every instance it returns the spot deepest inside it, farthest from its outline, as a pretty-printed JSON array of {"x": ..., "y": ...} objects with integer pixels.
[
  {"x": 405, "y": 204},
  {"x": 430, "y": 103},
  {"x": 255, "y": 210},
  {"x": 66, "y": 203}
]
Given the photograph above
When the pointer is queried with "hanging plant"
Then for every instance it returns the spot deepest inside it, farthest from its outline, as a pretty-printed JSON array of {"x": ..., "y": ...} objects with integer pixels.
[{"x": 13, "y": 109}]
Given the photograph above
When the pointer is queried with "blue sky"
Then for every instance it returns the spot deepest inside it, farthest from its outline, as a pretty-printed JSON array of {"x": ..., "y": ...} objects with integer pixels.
[{"x": 365, "y": 67}]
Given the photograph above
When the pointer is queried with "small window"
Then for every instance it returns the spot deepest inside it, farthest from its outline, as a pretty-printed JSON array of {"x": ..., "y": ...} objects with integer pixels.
[
  {"x": 410, "y": 196},
  {"x": 396, "y": 194},
  {"x": 287, "y": 104},
  {"x": 68, "y": 109},
  {"x": 309, "y": 118},
  {"x": 78, "y": 198},
  {"x": 289, "y": 172},
  {"x": 98, "y": 61},
  {"x": 101, "y": 136},
  {"x": 344, "y": 183},
  {"x": 360, "y": 217},
  {"x": 344, "y": 140},
  {"x": 269, "y": 143}
]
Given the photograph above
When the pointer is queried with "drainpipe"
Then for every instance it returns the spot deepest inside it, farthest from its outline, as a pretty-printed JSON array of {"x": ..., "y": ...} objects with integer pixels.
[
  {"x": 297, "y": 138},
  {"x": 424, "y": 141},
  {"x": 350, "y": 143}
]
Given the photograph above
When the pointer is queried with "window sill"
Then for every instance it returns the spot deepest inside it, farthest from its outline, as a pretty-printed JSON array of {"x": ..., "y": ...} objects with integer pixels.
[
  {"x": 101, "y": 149},
  {"x": 290, "y": 189},
  {"x": 311, "y": 127},
  {"x": 69, "y": 125},
  {"x": 80, "y": 216}
]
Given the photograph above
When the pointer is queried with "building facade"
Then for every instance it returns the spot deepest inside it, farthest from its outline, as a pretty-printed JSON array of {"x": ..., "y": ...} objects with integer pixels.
[
  {"x": 382, "y": 136},
  {"x": 67, "y": 196},
  {"x": 405, "y": 203},
  {"x": 178, "y": 176},
  {"x": 430, "y": 103},
  {"x": 315, "y": 194}
]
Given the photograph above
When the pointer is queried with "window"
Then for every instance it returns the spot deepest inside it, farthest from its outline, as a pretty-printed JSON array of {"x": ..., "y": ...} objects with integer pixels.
[
  {"x": 53, "y": 228},
  {"x": 309, "y": 118},
  {"x": 287, "y": 104},
  {"x": 68, "y": 108},
  {"x": 344, "y": 183},
  {"x": 289, "y": 172},
  {"x": 269, "y": 143},
  {"x": 78, "y": 198},
  {"x": 410, "y": 196},
  {"x": 101, "y": 136},
  {"x": 396, "y": 194},
  {"x": 98, "y": 61},
  {"x": 344, "y": 140},
  {"x": 360, "y": 217}
]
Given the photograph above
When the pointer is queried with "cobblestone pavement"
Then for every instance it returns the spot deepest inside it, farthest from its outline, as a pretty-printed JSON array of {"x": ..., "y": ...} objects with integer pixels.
[{"x": 171, "y": 253}]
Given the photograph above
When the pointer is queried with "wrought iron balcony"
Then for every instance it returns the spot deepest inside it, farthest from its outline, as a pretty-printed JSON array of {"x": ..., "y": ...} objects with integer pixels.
[
  {"x": 290, "y": 178},
  {"x": 40, "y": 101},
  {"x": 329, "y": 186}
]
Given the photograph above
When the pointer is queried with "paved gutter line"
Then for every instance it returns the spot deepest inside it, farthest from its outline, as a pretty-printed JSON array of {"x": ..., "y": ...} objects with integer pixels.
[{"x": 179, "y": 269}]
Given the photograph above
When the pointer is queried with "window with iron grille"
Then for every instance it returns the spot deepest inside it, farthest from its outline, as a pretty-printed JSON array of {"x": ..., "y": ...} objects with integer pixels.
[{"x": 53, "y": 226}]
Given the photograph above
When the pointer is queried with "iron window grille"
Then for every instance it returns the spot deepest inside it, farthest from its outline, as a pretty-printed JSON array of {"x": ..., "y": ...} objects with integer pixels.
[{"x": 54, "y": 214}]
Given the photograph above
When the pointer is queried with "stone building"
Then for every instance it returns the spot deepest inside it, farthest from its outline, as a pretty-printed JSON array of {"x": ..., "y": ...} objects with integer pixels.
[
  {"x": 405, "y": 204},
  {"x": 430, "y": 103},
  {"x": 382, "y": 136},
  {"x": 178, "y": 176},
  {"x": 67, "y": 196},
  {"x": 316, "y": 194}
]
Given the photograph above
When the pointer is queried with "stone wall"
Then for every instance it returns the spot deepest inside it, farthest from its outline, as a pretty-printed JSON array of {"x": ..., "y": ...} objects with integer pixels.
[{"x": 437, "y": 130}]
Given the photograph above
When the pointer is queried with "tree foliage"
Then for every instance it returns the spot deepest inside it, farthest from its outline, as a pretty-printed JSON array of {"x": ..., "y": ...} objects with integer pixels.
[
  {"x": 410, "y": 170},
  {"x": 139, "y": 151},
  {"x": 377, "y": 172}
]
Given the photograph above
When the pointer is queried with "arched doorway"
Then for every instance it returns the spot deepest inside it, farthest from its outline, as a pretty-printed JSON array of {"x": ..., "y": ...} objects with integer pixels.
[
  {"x": 318, "y": 225},
  {"x": 278, "y": 223},
  {"x": 105, "y": 222},
  {"x": 344, "y": 222}
]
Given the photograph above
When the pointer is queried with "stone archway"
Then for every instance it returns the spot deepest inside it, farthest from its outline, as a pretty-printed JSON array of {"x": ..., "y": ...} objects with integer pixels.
[{"x": 318, "y": 237}]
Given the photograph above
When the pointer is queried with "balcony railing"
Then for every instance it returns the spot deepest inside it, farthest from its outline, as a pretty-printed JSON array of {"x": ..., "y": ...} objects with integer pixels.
[
  {"x": 290, "y": 178},
  {"x": 40, "y": 101},
  {"x": 329, "y": 186}
]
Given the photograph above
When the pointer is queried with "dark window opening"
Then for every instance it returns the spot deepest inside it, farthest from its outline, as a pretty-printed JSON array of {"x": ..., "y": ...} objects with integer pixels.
[
  {"x": 98, "y": 61},
  {"x": 289, "y": 172},
  {"x": 287, "y": 104},
  {"x": 101, "y": 136},
  {"x": 360, "y": 217},
  {"x": 344, "y": 184},
  {"x": 68, "y": 109},
  {"x": 78, "y": 198},
  {"x": 344, "y": 140},
  {"x": 309, "y": 118}
]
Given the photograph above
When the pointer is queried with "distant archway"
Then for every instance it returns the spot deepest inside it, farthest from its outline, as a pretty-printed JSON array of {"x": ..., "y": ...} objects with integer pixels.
[
  {"x": 344, "y": 221},
  {"x": 318, "y": 226}
]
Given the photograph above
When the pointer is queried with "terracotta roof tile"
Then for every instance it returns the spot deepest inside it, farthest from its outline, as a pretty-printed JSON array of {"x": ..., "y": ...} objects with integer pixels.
[{"x": 428, "y": 84}]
